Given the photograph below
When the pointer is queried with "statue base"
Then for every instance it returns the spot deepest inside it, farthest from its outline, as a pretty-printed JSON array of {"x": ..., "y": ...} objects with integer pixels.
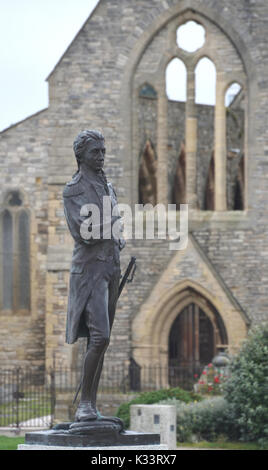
[
  {"x": 89, "y": 435},
  {"x": 151, "y": 447}
]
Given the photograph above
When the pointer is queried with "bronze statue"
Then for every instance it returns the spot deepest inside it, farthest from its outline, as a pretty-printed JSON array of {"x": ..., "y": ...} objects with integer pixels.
[
  {"x": 95, "y": 270},
  {"x": 94, "y": 290}
]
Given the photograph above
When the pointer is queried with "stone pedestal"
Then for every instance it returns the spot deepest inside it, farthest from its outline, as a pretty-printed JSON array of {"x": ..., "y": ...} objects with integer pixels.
[
  {"x": 160, "y": 419},
  {"x": 106, "y": 448},
  {"x": 110, "y": 439}
]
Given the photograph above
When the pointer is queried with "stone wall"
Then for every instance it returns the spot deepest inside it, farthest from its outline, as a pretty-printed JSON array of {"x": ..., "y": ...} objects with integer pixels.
[
  {"x": 24, "y": 158},
  {"x": 243, "y": 271}
]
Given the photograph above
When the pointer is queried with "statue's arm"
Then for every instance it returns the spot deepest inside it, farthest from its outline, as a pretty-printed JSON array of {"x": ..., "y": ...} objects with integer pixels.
[
  {"x": 80, "y": 224},
  {"x": 117, "y": 218},
  {"x": 75, "y": 221}
]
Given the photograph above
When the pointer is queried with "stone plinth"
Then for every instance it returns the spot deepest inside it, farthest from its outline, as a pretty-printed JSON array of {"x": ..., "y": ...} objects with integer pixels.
[
  {"x": 106, "y": 448},
  {"x": 160, "y": 419}
]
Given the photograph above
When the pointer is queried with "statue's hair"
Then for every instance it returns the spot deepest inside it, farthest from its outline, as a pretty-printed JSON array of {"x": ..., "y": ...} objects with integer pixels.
[{"x": 81, "y": 141}]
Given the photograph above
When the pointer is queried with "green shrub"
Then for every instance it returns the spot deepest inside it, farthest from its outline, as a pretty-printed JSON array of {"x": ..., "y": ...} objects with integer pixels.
[
  {"x": 204, "y": 420},
  {"x": 148, "y": 398},
  {"x": 246, "y": 390}
]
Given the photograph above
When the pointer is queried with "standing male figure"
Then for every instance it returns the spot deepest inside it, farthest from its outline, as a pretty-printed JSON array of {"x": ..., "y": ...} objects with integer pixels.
[{"x": 95, "y": 270}]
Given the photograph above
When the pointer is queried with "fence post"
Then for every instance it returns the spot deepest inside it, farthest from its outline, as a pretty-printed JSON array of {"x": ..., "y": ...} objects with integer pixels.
[
  {"x": 17, "y": 396},
  {"x": 52, "y": 395}
]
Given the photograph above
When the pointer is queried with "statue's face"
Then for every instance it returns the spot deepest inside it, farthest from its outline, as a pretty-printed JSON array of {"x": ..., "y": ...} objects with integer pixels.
[{"x": 94, "y": 155}]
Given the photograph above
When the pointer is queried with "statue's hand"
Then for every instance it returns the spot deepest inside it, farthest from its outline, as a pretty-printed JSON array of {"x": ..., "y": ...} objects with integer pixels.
[{"x": 122, "y": 243}]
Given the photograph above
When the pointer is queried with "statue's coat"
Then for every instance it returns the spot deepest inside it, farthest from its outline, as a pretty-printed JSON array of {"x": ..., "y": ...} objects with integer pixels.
[{"x": 90, "y": 257}]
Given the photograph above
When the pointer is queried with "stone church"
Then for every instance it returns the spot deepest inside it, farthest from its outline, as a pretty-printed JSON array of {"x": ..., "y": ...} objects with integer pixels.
[{"x": 186, "y": 305}]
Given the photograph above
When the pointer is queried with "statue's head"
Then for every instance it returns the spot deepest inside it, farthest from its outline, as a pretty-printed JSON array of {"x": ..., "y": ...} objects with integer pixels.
[{"x": 89, "y": 149}]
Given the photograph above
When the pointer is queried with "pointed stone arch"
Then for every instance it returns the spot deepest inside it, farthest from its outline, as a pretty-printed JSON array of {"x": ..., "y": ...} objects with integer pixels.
[
  {"x": 239, "y": 196},
  {"x": 171, "y": 294},
  {"x": 153, "y": 347},
  {"x": 178, "y": 193},
  {"x": 210, "y": 186},
  {"x": 186, "y": 7},
  {"x": 179, "y": 297},
  {"x": 147, "y": 175},
  {"x": 15, "y": 255}
]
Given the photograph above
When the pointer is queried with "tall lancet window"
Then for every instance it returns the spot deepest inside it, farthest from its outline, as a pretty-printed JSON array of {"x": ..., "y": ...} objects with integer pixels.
[
  {"x": 15, "y": 255},
  {"x": 235, "y": 102},
  {"x": 176, "y": 91}
]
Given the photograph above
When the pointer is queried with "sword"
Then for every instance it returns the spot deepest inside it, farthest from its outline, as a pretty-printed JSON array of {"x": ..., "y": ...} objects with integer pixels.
[
  {"x": 131, "y": 267},
  {"x": 128, "y": 277}
]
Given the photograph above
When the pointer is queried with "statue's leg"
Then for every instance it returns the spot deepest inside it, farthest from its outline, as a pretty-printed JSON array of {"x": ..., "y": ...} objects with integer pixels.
[
  {"x": 97, "y": 320},
  {"x": 113, "y": 296},
  {"x": 96, "y": 384},
  {"x": 112, "y": 300}
]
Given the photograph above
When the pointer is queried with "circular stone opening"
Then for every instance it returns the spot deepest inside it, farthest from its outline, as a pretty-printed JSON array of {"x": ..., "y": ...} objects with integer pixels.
[{"x": 191, "y": 36}]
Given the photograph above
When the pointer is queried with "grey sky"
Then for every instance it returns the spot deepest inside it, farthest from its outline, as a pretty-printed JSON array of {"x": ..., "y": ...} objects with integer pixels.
[{"x": 33, "y": 36}]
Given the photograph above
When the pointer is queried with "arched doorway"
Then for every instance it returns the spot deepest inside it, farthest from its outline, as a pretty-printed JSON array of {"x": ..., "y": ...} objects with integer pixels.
[
  {"x": 154, "y": 326},
  {"x": 194, "y": 339}
]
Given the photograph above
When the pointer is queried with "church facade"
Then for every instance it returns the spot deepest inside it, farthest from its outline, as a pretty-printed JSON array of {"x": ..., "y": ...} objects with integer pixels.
[{"x": 186, "y": 305}]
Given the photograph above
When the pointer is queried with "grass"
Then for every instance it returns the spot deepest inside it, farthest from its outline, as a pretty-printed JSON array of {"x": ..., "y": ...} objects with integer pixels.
[
  {"x": 225, "y": 445},
  {"x": 10, "y": 443}
]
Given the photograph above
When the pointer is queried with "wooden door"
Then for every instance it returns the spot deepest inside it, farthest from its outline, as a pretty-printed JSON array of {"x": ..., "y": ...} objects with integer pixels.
[{"x": 191, "y": 341}]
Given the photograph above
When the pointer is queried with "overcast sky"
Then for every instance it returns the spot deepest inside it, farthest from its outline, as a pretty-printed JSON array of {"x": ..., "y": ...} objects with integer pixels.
[{"x": 34, "y": 34}]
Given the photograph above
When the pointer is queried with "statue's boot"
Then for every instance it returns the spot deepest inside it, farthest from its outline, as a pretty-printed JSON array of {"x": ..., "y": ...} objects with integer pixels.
[
  {"x": 85, "y": 412},
  {"x": 112, "y": 419}
]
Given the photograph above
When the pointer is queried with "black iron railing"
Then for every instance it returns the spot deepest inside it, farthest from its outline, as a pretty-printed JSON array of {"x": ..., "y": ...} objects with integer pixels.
[{"x": 28, "y": 396}]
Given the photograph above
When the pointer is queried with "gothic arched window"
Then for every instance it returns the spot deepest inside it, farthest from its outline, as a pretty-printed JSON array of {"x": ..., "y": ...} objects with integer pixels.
[
  {"x": 15, "y": 254},
  {"x": 176, "y": 80},
  {"x": 197, "y": 116},
  {"x": 235, "y": 130}
]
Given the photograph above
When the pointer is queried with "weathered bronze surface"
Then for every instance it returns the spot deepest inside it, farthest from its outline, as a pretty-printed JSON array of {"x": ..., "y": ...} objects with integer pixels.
[
  {"x": 97, "y": 437},
  {"x": 95, "y": 270}
]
